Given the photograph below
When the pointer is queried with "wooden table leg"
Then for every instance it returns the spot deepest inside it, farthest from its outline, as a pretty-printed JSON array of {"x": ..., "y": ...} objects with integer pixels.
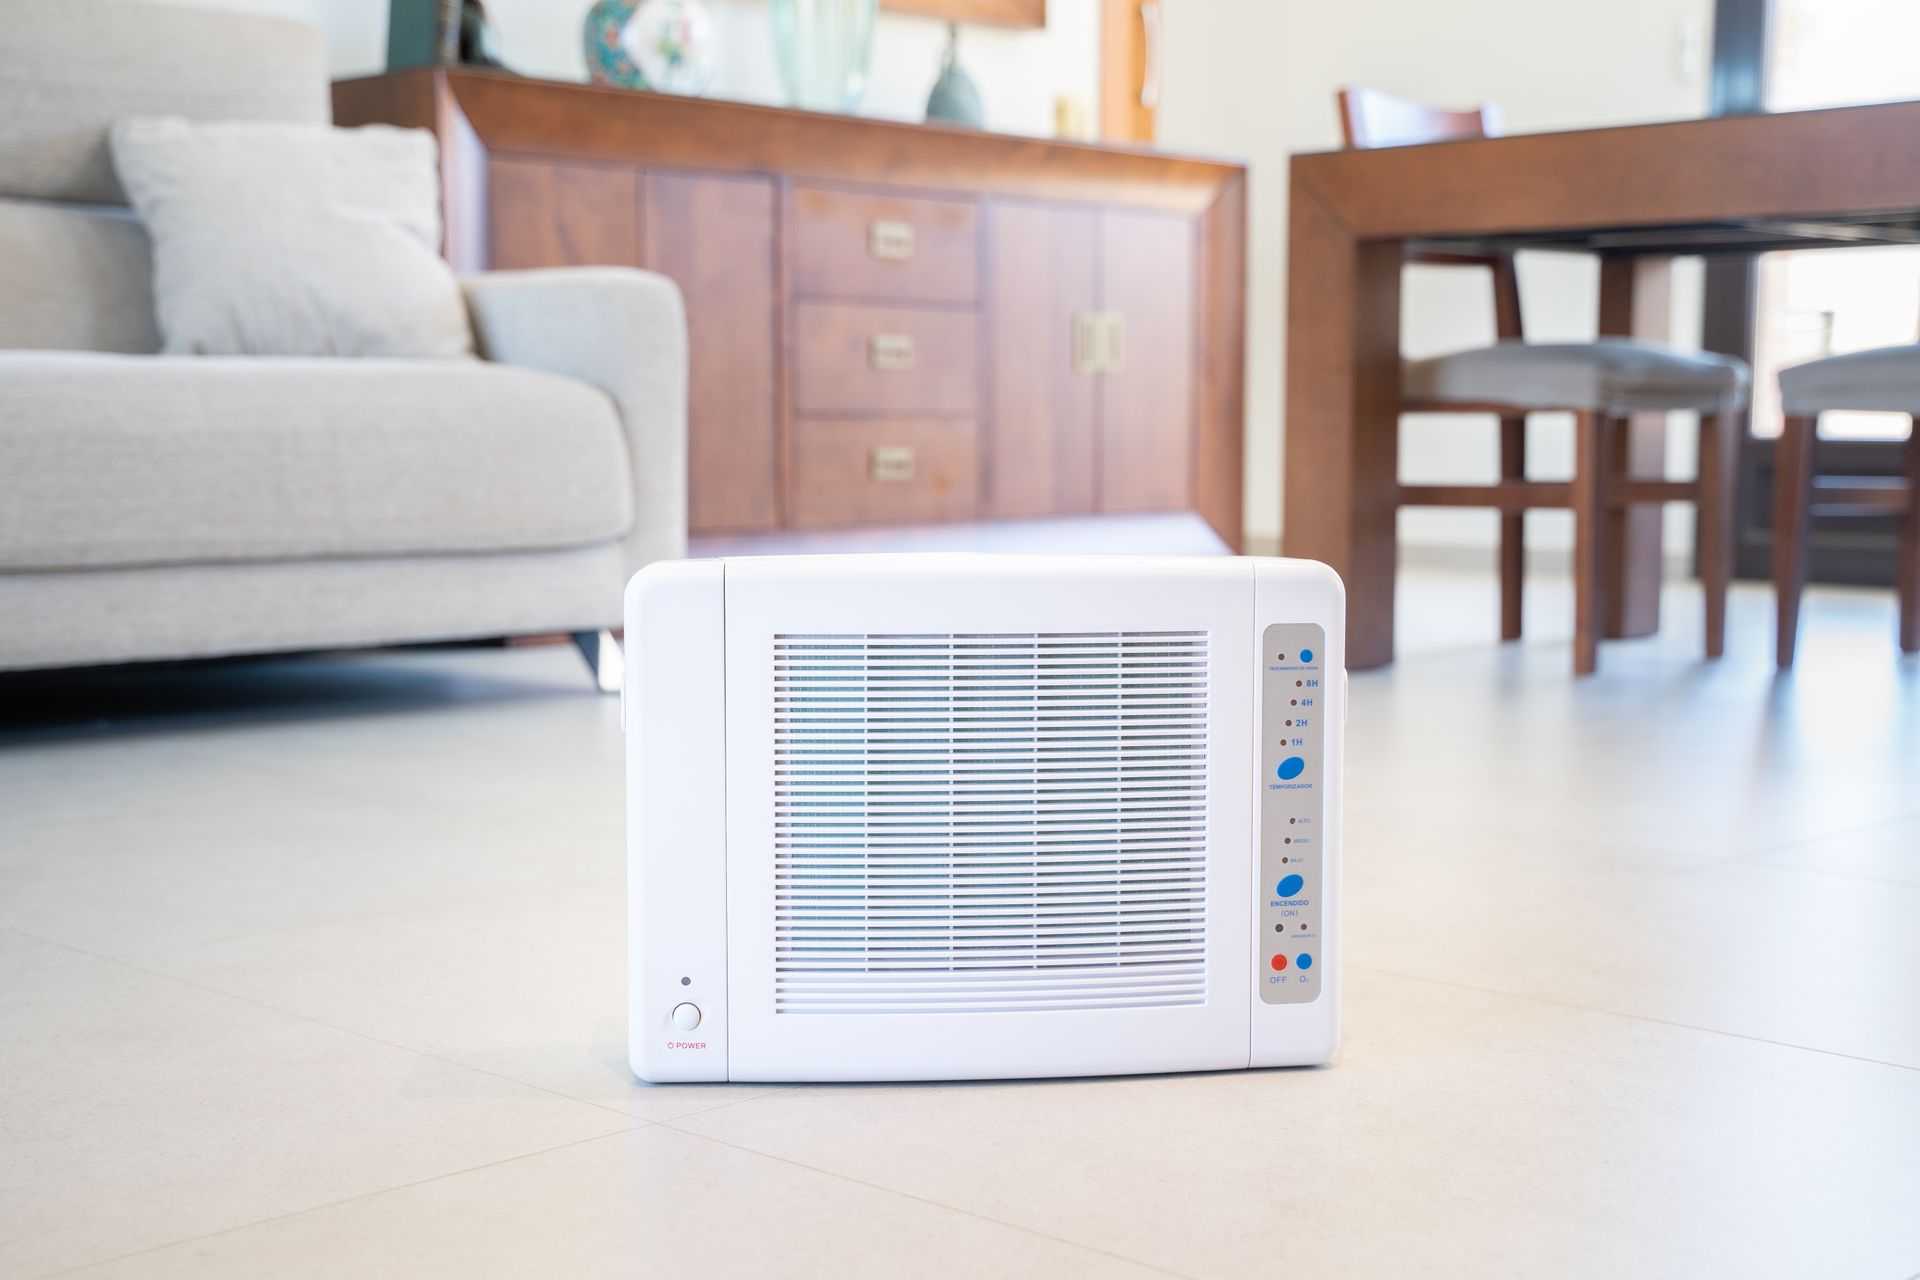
[
  {"x": 1636, "y": 301},
  {"x": 1907, "y": 560},
  {"x": 1590, "y": 432},
  {"x": 1513, "y": 532},
  {"x": 1342, "y": 422},
  {"x": 1792, "y": 499}
]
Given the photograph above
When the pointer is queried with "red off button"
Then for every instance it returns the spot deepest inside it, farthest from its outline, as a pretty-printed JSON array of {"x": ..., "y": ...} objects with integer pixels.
[{"x": 1279, "y": 962}]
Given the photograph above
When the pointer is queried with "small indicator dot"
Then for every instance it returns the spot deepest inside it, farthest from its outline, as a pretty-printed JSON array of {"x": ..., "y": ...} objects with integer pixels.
[
  {"x": 1280, "y": 928},
  {"x": 1279, "y": 657},
  {"x": 1291, "y": 821},
  {"x": 1298, "y": 683},
  {"x": 686, "y": 982},
  {"x": 1294, "y": 702},
  {"x": 1283, "y": 862},
  {"x": 1288, "y": 840},
  {"x": 1289, "y": 724}
]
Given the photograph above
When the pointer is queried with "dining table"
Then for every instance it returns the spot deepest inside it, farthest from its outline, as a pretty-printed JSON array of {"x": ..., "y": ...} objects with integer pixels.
[{"x": 1635, "y": 196}]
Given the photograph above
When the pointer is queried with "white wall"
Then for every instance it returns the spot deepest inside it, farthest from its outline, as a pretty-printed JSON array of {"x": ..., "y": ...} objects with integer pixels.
[
  {"x": 1019, "y": 72},
  {"x": 1256, "y": 78}
]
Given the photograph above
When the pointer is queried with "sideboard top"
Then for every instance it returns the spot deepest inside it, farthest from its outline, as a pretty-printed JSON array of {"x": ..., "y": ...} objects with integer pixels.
[{"x": 508, "y": 113}]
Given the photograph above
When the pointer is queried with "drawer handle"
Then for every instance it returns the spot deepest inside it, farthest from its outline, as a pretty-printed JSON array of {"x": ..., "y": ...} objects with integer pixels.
[
  {"x": 1086, "y": 343},
  {"x": 890, "y": 352},
  {"x": 890, "y": 464},
  {"x": 1113, "y": 355},
  {"x": 890, "y": 240},
  {"x": 1099, "y": 342}
]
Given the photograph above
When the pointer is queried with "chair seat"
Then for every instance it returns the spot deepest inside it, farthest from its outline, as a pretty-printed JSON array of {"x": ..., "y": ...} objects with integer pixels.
[
  {"x": 111, "y": 461},
  {"x": 1885, "y": 379},
  {"x": 1612, "y": 375}
]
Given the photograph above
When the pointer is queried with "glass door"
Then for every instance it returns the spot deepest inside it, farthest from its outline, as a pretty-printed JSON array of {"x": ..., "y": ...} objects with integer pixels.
[{"x": 1820, "y": 302}]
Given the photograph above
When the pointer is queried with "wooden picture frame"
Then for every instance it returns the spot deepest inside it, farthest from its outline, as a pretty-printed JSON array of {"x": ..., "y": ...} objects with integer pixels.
[{"x": 997, "y": 13}]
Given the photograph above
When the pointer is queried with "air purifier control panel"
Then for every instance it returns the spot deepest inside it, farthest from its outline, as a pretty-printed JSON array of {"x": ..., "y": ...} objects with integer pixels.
[{"x": 1294, "y": 696}]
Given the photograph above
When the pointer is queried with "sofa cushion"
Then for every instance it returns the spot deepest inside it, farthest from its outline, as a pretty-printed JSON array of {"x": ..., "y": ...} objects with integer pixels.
[
  {"x": 75, "y": 278},
  {"x": 137, "y": 460},
  {"x": 291, "y": 240}
]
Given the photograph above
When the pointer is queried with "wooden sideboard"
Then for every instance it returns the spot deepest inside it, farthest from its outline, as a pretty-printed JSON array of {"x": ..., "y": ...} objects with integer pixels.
[{"x": 888, "y": 322}]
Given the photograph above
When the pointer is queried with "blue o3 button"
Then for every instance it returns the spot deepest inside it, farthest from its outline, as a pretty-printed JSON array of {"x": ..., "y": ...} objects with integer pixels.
[
  {"x": 1304, "y": 960},
  {"x": 1306, "y": 655},
  {"x": 1289, "y": 886},
  {"x": 1292, "y": 767}
]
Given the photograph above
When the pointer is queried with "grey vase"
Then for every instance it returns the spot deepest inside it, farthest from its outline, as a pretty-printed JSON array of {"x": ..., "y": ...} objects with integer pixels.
[{"x": 955, "y": 98}]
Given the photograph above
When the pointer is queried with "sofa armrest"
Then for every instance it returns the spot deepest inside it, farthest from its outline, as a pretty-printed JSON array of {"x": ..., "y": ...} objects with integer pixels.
[{"x": 625, "y": 332}]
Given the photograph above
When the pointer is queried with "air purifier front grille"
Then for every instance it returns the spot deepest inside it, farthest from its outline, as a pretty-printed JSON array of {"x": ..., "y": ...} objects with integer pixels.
[{"x": 989, "y": 822}]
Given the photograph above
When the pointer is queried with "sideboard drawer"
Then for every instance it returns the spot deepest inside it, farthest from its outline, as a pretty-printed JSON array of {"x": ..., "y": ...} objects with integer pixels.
[
  {"x": 884, "y": 472},
  {"x": 904, "y": 360},
  {"x": 885, "y": 248}
]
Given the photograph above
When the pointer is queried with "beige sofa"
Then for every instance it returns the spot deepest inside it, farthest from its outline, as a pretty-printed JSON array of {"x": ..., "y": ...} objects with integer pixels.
[{"x": 174, "y": 506}]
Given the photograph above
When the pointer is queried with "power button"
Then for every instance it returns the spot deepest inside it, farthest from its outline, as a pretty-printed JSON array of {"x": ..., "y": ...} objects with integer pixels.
[{"x": 686, "y": 1017}]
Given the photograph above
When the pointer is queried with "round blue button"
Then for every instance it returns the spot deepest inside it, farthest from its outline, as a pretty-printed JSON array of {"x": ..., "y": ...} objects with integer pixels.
[
  {"x": 1304, "y": 960},
  {"x": 1289, "y": 886},
  {"x": 1306, "y": 655},
  {"x": 1292, "y": 767}
]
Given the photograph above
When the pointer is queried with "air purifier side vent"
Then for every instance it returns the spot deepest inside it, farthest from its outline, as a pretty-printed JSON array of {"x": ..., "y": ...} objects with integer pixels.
[{"x": 986, "y": 823}]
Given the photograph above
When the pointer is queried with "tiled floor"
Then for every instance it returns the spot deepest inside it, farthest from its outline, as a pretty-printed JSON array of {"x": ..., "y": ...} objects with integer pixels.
[{"x": 313, "y": 967}]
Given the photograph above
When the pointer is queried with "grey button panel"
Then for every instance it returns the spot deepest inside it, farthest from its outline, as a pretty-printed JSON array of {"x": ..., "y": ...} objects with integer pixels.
[{"x": 1293, "y": 697}]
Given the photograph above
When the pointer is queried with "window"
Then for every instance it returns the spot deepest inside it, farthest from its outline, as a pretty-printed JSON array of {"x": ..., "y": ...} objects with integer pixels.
[{"x": 1829, "y": 53}]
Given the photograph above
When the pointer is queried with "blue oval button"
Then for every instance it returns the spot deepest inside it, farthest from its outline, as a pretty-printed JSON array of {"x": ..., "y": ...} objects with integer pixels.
[
  {"x": 1289, "y": 886},
  {"x": 1292, "y": 767},
  {"x": 1306, "y": 655},
  {"x": 1304, "y": 960}
]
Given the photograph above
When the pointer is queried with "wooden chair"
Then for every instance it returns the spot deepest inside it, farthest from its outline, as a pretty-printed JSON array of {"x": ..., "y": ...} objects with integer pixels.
[
  {"x": 1600, "y": 383},
  {"x": 1886, "y": 379}
]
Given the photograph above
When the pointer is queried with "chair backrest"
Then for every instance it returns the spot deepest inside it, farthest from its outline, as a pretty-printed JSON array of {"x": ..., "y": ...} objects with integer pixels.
[
  {"x": 74, "y": 267},
  {"x": 1370, "y": 118}
]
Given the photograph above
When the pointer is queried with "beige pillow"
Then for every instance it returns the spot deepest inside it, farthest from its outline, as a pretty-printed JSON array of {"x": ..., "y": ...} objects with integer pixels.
[{"x": 291, "y": 239}]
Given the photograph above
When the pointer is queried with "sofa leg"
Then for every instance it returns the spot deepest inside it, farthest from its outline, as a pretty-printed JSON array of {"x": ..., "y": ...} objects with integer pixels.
[{"x": 604, "y": 658}]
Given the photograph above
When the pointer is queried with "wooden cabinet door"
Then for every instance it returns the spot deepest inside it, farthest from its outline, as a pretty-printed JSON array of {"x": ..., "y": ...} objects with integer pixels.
[
  {"x": 1147, "y": 264},
  {"x": 714, "y": 236},
  {"x": 1040, "y": 456},
  {"x": 552, "y": 213}
]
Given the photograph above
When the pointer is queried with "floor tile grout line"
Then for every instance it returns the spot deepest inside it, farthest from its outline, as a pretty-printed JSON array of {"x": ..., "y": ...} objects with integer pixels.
[
  {"x": 1637, "y": 1017},
  {"x": 1866, "y": 876},
  {"x": 76, "y": 952},
  {"x": 320, "y": 1022},
  {"x": 367, "y": 1036},
  {"x": 334, "y": 1204},
  {"x": 391, "y": 1044},
  {"x": 773, "y": 1091},
  {"x": 1786, "y": 845},
  {"x": 926, "y": 1200},
  {"x": 515, "y": 895}
]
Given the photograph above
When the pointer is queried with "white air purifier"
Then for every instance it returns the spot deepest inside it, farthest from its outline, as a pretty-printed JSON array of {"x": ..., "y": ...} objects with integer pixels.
[{"x": 941, "y": 817}]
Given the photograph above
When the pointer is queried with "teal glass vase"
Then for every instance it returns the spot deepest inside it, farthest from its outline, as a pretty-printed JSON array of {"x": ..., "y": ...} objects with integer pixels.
[{"x": 825, "y": 49}]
